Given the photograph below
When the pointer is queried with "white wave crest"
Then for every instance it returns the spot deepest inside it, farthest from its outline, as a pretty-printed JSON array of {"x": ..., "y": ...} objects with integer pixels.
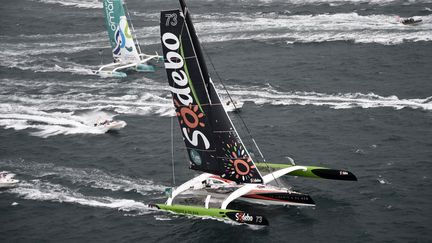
[
  {"x": 94, "y": 178},
  {"x": 269, "y": 95},
  {"x": 75, "y": 3},
  {"x": 97, "y": 4},
  {"x": 48, "y": 124},
  {"x": 339, "y": 2},
  {"x": 30, "y": 52},
  {"x": 381, "y": 29},
  {"x": 45, "y": 191},
  {"x": 52, "y": 108}
]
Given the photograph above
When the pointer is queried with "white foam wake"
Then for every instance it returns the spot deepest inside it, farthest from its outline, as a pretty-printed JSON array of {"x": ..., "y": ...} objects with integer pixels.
[
  {"x": 338, "y": 2},
  {"x": 93, "y": 178},
  {"x": 269, "y": 95},
  {"x": 48, "y": 124},
  {"x": 98, "y": 4},
  {"x": 382, "y": 29},
  {"x": 46, "y": 191},
  {"x": 31, "y": 51},
  {"x": 52, "y": 108},
  {"x": 75, "y": 3}
]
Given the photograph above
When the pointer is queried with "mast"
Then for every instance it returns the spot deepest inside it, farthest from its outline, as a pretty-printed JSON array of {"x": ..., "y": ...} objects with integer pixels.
[
  {"x": 129, "y": 19},
  {"x": 195, "y": 40}
]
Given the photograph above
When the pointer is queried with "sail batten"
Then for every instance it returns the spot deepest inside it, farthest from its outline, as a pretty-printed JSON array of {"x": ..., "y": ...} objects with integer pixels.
[
  {"x": 212, "y": 143},
  {"x": 203, "y": 150}
]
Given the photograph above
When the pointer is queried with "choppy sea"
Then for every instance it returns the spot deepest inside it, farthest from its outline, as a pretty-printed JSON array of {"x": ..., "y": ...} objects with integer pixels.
[{"x": 337, "y": 83}]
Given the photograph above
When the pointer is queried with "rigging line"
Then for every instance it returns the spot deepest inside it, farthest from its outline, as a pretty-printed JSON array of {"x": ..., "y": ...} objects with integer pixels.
[
  {"x": 172, "y": 152},
  {"x": 129, "y": 18},
  {"x": 194, "y": 50},
  {"x": 241, "y": 118}
]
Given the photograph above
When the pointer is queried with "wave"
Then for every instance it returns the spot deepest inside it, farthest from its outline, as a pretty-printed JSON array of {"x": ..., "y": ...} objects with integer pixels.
[
  {"x": 45, "y": 191},
  {"x": 339, "y": 2},
  {"x": 51, "y": 108},
  {"x": 93, "y": 178},
  {"x": 269, "y": 95},
  {"x": 74, "y": 3},
  {"x": 41, "y": 186},
  {"x": 40, "y": 53},
  {"x": 380, "y": 29},
  {"x": 48, "y": 124},
  {"x": 94, "y": 4}
]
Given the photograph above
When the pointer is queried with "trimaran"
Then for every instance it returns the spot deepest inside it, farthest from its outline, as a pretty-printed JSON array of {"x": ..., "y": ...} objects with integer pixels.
[
  {"x": 125, "y": 47},
  {"x": 213, "y": 144}
]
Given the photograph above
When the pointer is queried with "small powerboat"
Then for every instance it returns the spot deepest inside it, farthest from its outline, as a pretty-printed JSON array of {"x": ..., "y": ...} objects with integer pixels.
[
  {"x": 6, "y": 180},
  {"x": 110, "y": 125},
  {"x": 410, "y": 21},
  {"x": 233, "y": 106}
]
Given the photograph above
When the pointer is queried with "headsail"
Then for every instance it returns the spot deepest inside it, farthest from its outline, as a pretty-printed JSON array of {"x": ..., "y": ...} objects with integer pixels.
[
  {"x": 211, "y": 140},
  {"x": 119, "y": 33}
]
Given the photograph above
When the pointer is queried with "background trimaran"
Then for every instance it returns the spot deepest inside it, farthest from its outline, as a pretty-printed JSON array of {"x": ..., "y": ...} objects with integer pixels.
[
  {"x": 213, "y": 144},
  {"x": 125, "y": 46}
]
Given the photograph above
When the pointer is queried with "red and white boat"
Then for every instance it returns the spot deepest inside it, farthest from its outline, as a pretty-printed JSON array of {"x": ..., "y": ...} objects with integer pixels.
[{"x": 110, "y": 125}]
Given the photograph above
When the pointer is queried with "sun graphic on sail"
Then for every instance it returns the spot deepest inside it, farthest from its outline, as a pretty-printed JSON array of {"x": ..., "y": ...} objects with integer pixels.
[
  {"x": 189, "y": 115},
  {"x": 238, "y": 164}
]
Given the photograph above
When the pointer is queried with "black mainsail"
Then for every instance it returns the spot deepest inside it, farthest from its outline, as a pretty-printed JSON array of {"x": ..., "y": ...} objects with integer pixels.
[{"x": 212, "y": 143}]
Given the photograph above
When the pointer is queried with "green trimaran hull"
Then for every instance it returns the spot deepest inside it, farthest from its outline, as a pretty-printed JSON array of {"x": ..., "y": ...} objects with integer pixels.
[
  {"x": 226, "y": 214},
  {"x": 312, "y": 171}
]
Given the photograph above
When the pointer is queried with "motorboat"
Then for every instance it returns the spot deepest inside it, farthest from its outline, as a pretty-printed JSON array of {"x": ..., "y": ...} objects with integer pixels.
[
  {"x": 233, "y": 106},
  {"x": 410, "y": 21},
  {"x": 6, "y": 180},
  {"x": 110, "y": 125}
]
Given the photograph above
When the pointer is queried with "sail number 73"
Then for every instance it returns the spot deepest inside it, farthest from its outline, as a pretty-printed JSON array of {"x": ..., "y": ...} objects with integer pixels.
[{"x": 171, "y": 19}]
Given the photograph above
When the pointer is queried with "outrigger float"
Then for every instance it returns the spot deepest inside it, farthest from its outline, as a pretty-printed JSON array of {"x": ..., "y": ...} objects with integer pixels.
[
  {"x": 125, "y": 46},
  {"x": 213, "y": 144}
]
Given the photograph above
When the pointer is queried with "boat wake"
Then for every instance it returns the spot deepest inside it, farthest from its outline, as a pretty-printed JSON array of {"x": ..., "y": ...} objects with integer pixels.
[
  {"x": 45, "y": 187},
  {"x": 42, "y": 179},
  {"x": 49, "y": 108},
  {"x": 93, "y": 178},
  {"x": 269, "y": 95},
  {"x": 45, "y": 191},
  {"x": 75, "y": 3},
  {"x": 45, "y": 124},
  {"x": 270, "y": 27},
  {"x": 96, "y": 4},
  {"x": 381, "y": 29}
]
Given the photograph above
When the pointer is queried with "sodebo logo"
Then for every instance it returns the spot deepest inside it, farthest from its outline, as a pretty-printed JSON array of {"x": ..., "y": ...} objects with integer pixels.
[
  {"x": 242, "y": 217},
  {"x": 182, "y": 93}
]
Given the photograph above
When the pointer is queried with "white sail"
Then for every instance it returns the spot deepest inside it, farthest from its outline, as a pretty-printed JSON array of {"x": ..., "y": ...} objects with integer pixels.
[{"x": 125, "y": 43}]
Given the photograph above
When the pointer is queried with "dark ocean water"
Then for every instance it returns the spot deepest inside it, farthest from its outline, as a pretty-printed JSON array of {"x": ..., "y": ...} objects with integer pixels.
[{"x": 332, "y": 83}]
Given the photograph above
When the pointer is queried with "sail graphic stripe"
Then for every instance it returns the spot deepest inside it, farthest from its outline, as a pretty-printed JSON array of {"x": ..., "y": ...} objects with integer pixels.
[{"x": 188, "y": 76}]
